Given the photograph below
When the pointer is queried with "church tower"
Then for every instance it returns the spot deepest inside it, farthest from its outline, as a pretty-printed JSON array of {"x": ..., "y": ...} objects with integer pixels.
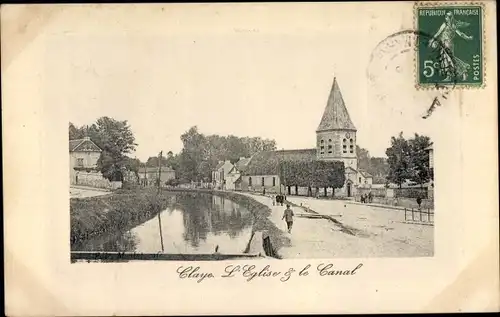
[{"x": 336, "y": 134}]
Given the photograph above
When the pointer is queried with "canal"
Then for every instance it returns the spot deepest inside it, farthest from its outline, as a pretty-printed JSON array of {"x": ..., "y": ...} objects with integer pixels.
[{"x": 191, "y": 224}]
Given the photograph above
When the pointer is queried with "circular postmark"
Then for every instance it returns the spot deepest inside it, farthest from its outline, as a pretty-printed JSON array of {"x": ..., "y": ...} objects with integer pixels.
[{"x": 393, "y": 67}]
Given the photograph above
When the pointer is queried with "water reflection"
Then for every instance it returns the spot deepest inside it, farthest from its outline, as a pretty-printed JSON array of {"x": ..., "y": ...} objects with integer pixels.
[{"x": 196, "y": 223}]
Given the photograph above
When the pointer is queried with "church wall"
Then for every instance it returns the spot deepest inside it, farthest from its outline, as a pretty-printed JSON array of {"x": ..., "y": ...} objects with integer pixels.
[{"x": 257, "y": 183}]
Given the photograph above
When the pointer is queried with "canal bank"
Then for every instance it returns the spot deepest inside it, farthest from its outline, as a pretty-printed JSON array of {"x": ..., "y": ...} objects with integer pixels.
[
  {"x": 263, "y": 228},
  {"x": 93, "y": 217},
  {"x": 96, "y": 221}
]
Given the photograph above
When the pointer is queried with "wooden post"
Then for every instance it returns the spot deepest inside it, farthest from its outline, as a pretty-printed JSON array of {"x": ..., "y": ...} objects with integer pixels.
[
  {"x": 412, "y": 218},
  {"x": 159, "y": 171},
  {"x": 161, "y": 233},
  {"x": 405, "y": 214}
]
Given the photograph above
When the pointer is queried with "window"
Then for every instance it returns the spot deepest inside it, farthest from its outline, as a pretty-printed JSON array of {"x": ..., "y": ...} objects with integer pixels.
[
  {"x": 329, "y": 140},
  {"x": 366, "y": 182},
  {"x": 322, "y": 141},
  {"x": 79, "y": 162},
  {"x": 351, "y": 148},
  {"x": 274, "y": 181},
  {"x": 330, "y": 149},
  {"x": 344, "y": 148},
  {"x": 360, "y": 179},
  {"x": 322, "y": 149},
  {"x": 250, "y": 181},
  {"x": 351, "y": 141},
  {"x": 262, "y": 183}
]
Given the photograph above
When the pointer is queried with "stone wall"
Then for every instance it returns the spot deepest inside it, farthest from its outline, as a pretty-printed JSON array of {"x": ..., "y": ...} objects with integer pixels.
[{"x": 94, "y": 179}]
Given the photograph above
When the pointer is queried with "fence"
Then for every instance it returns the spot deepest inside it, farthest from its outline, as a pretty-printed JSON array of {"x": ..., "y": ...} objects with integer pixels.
[
  {"x": 376, "y": 192},
  {"x": 411, "y": 214},
  {"x": 411, "y": 192}
]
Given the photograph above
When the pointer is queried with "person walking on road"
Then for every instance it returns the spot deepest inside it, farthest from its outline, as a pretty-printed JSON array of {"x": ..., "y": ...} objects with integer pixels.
[{"x": 288, "y": 216}]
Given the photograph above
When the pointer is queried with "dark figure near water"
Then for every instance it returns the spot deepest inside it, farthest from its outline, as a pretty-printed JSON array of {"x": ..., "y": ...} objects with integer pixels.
[
  {"x": 263, "y": 191},
  {"x": 419, "y": 201},
  {"x": 370, "y": 197},
  {"x": 363, "y": 198}
]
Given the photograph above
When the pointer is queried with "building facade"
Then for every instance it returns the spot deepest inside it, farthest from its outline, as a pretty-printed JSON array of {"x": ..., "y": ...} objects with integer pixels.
[
  {"x": 83, "y": 156},
  {"x": 148, "y": 176},
  {"x": 220, "y": 173},
  {"x": 233, "y": 178}
]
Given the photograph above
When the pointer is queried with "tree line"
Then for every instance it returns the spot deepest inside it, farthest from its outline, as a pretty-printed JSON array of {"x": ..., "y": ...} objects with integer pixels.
[
  {"x": 201, "y": 153},
  {"x": 319, "y": 174}
]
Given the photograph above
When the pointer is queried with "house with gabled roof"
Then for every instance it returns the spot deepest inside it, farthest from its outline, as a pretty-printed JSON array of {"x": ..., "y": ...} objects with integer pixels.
[
  {"x": 83, "y": 156},
  {"x": 233, "y": 178},
  {"x": 219, "y": 174},
  {"x": 335, "y": 141},
  {"x": 149, "y": 175}
]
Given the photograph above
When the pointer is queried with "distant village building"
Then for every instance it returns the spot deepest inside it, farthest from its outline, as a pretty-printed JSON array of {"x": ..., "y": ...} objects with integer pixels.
[
  {"x": 233, "y": 178},
  {"x": 219, "y": 174},
  {"x": 430, "y": 188},
  {"x": 335, "y": 141},
  {"x": 83, "y": 157},
  {"x": 148, "y": 176},
  {"x": 430, "y": 149}
]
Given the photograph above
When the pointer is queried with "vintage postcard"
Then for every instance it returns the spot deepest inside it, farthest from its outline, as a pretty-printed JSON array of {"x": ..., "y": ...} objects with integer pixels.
[{"x": 264, "y": 158}]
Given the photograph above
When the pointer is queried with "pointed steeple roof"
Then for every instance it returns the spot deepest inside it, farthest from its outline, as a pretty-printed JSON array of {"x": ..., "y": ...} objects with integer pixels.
[{"x": 336, "y": 116}]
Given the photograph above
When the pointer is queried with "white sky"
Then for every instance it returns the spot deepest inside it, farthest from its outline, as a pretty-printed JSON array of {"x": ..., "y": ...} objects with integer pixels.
[{"x": 258, "y": 74}]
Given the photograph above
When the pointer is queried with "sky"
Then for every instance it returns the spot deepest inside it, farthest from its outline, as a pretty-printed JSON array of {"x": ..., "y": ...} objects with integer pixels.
[{"x": 257, "y": 74}]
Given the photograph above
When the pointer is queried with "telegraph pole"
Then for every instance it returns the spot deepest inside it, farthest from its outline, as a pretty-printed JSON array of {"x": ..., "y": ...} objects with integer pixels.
[
  {"x": 159, "y": 189},
  {"x": 159, "y": 170},
  {"x": 284, "y": 170}
]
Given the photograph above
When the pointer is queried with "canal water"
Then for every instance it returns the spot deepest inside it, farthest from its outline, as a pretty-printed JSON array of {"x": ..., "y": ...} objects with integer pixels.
[{"x": 196, "y": 223}]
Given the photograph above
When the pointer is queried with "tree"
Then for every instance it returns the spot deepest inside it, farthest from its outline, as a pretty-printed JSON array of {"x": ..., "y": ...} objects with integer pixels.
[
  {"x": 74, "y": 132},
  {"x": 133, "y": 165},
  {"x": 153, "y": 161},
  {"x": 379, "y": 168},
  {"x": 399, "y": 160},
  {"x": 420, "y": 170},
  {"x": 115, "y": 138},
  {"x": 363, "y": 158}
]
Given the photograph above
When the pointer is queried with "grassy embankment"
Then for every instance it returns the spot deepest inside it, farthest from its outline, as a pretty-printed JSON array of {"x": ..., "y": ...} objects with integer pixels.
[
  {"x": 106, "y": 215},
  {"x": 99, "y": 216}
]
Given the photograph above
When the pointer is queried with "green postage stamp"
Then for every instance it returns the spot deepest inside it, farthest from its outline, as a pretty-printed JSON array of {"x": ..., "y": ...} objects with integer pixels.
[{"x": 450, "y": 44}]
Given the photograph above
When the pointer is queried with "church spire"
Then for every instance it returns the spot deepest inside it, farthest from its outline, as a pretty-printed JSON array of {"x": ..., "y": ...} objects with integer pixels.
[{"x": 336, "y": 116}]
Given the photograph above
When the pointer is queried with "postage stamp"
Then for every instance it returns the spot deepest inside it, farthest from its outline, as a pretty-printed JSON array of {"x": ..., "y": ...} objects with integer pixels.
[{"x": 452, "y": 53}]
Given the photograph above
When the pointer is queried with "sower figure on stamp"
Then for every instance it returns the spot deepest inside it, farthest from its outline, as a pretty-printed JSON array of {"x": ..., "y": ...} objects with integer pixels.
[
  {"x": 288, "y": 216},
  {"x": 450, "y": 64}
]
